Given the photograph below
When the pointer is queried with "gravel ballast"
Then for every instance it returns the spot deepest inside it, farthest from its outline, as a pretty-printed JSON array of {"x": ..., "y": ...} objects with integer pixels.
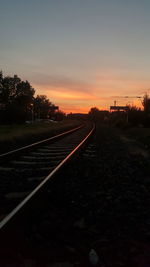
[{"x": 98, "y": 211}]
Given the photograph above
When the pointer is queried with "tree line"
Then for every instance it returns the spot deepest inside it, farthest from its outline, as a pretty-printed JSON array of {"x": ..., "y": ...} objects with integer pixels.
[
  {"x": 19, "y": 104},
  {"x": 133, "y": 116}
]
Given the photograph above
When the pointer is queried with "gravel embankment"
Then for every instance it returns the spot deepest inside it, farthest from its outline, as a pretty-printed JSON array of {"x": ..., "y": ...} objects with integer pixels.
[{"x": 100, "y": 204}]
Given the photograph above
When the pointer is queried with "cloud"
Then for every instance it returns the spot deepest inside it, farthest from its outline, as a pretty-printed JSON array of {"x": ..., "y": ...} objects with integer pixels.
[
  {"x": 61, "y": 82},
  {"x": 122, "y": 75},
  {"x": 99, "y": 90}
]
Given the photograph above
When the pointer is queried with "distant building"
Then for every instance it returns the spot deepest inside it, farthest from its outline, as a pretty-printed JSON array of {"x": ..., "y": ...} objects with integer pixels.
[{"x": 119, "y": 108}]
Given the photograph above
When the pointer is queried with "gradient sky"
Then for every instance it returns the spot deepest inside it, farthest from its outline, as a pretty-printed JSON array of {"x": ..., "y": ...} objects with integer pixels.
[{"x": 80, "y": 53}]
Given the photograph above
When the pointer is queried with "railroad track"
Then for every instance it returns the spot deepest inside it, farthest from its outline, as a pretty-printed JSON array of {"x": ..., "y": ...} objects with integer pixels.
[{"x": 25, "y": 172}]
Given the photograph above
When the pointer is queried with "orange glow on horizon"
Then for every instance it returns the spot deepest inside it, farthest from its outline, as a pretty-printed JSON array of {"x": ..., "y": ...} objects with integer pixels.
[
  {"x": 71, "y": 101},
  {"x": 70, "y": 95}
]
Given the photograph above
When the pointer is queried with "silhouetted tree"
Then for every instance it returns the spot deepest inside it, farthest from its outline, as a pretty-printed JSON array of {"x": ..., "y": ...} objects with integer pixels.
[
  {"x": 16, "y": 97},
  {"x": 17, "y": 102},
  {"x": 94, "y": 113},
  {"x": 24, "y": 99},
  {"x": 1, "y": 78},
  {"x": 146, "y": 105},
  {"x": 59, "y": 115},
  {"x": 135, "y": 115},
  {"x": 43, "y": 108},
  {"x": 98, "y": 115}
]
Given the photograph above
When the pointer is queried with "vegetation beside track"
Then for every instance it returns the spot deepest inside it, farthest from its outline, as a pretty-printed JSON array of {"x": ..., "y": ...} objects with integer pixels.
[
  {"x": 141, "y": 135},
  {"x": 13, "y": 136}
]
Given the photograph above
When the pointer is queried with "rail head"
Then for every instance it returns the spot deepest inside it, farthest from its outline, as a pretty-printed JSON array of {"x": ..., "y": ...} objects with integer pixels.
[{"x": 30, "y": 197}]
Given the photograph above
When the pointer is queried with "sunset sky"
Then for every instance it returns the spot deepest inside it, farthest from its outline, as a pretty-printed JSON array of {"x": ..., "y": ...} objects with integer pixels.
[{"x": 80, "y": 53}]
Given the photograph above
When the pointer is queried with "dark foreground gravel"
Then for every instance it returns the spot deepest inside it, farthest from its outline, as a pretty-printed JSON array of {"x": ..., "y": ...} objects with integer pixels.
[{"x": 97, "y": 213}]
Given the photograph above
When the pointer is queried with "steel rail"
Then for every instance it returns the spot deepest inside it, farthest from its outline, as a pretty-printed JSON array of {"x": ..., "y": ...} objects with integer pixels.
[
  {"x": 41, "y": 142},
  {"x": 20, "y": 206}
]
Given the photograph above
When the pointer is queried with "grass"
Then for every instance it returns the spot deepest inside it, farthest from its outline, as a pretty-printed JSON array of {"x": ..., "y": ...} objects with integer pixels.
[
  {"x": 13, "y": 136},
  {"x": 141, "y": 135}
]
